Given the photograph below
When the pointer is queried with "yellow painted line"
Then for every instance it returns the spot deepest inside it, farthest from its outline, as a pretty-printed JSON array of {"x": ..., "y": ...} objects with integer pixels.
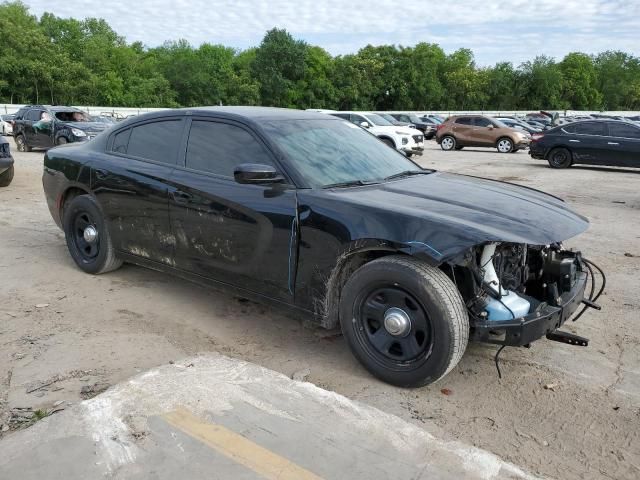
[{"x": 238, "y": 448}]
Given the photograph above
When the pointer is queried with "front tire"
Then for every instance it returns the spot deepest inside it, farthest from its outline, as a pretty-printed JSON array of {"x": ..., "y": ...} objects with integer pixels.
[
  {"x": 560, "y": 158},
  {"x": 448, "y": 143},
  {"x": 504, "y": 145},
  {"x": 87, "y": 236},
  {"x": 62, "y": 141},
  {"x": 6, "y": 177},
  {"x": 404, "y": 320}
]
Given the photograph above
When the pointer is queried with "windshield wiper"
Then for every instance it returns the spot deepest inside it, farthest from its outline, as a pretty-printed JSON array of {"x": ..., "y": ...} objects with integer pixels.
[
  {"x": 350, "y": 183},
  {"x": 408, "y": 173}
]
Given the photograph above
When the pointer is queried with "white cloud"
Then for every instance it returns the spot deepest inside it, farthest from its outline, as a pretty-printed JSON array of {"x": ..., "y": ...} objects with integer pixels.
[{"x": 514, "y": 30}]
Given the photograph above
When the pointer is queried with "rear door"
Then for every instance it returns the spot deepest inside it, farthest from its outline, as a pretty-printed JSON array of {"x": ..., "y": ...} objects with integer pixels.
[
  {"x": 462, "y": 129},
  {"x": 131, "y": 184},
  {"x": 30, "y": 119},
  {"x": 238, "y": 234},
  {"x": 589, "y": 142},
  {"x": 624, "y": 141}
]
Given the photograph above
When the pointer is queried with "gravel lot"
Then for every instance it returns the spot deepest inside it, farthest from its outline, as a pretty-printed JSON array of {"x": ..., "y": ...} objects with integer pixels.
[{"x": 560, "y": 411}]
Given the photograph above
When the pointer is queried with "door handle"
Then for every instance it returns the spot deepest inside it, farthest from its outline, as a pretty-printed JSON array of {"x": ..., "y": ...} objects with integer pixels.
[
  {"x": 575, "y": 141},
  {"x": 181, "y": 197},
  {"x": 612, "y": 143}
]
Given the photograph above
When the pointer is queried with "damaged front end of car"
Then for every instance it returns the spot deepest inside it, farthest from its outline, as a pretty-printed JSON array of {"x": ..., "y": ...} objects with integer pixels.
[{"x": 518, "y": 293}]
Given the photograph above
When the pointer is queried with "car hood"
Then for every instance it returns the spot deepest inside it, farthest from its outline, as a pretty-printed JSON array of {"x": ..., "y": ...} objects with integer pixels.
[{"x": 450, "y": 212}]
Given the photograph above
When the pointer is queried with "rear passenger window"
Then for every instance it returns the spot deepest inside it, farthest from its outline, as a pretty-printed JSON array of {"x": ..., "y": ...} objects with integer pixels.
[
  {"x": 219, "y": 147},
  {"x": 590, "y": 128},
  {"x": 34, "y": 115},
  {"x": 120, "y": 141},
  {"x": 157, "y": 141},
  {"x": 623, "y": 131},
  {"x": 464, "y": 121}
]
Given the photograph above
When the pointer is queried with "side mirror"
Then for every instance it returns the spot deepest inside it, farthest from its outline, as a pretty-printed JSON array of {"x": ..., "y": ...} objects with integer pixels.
[
  {"x": 364, "y": 124},
  {"x": 256, "y": 173}
]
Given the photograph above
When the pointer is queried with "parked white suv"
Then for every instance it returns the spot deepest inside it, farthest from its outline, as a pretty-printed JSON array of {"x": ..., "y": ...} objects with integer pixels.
[
  {"x": 407, "y": 140},
  {"x": 6, "y": 127}
]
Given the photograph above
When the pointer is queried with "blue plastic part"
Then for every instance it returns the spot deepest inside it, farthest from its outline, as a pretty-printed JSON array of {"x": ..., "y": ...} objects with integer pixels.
[{"x": 517, "y": 307}]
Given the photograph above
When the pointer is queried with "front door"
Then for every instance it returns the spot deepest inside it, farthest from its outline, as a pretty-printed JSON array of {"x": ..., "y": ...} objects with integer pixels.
[
  {"x": 483, "y": 132},
  {"x": 624, "y": 141},
  {"x": 130, "y": 182},
  {"x": 242, "y": 235}
]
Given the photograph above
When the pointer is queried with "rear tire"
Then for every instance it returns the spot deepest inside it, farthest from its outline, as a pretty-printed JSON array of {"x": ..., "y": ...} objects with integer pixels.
[
  {"x": 97, "y": 256},
  {"x": 560, "y": 158},
  {"x": 433, "y": 335},
  {"x": 448, "y": 143},
  {"x": 6, "y": 177},
  {"x": 21, "y": 144}
]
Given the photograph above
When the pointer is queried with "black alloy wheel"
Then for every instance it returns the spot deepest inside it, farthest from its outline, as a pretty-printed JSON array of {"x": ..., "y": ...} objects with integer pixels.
[
  {"x": 86, "y": 237},
  {"x": 393, "y": 326}
]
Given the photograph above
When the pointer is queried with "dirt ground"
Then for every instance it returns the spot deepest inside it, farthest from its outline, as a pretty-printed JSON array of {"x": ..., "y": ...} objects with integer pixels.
[{"x": 559, "y": 411}]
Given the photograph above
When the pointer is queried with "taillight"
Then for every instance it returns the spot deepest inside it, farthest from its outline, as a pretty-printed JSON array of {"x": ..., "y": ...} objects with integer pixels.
[
  {"x": 439, "y": 126},
  {"x": 536, "y": 136}
]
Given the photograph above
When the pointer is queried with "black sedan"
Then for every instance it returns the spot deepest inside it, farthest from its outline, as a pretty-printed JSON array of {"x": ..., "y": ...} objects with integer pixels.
[
  {"x": 316, "y": 215},
  {"x": 592, "y": 142},
  {"x": 6, "y": 163}
]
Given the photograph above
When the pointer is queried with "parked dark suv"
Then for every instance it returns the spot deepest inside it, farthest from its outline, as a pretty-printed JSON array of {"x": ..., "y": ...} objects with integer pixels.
[{"x": 42, "y": 126}]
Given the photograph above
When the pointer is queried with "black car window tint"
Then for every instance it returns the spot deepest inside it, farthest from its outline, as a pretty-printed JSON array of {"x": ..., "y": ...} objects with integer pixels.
[
  {"x": 624, "y": 131},
  {"x": 482, "y": 122},
  {"x": 569, "y": 128},
  {"x": 120, "y": 141},
  {"x": 590, "y": 128},
  {"x": 219, "y": 147},
  {"x": 157, "y": 141},
  {"x": 464, "y": 121}
]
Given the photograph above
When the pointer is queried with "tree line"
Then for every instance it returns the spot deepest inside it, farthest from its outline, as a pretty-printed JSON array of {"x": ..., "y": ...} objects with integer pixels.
[{"x": 85, "y": 62}]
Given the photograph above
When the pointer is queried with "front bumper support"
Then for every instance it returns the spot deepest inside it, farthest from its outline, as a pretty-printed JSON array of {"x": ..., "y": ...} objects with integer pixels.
[{"x": 545, "y": 320}]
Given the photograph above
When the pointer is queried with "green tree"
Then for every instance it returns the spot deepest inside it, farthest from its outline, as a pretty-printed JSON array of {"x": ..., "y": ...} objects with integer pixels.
[
  {"x": 279, "y": 63},
  {"x": 580, "y": 82},
  {"x": 544, "y": 84}
]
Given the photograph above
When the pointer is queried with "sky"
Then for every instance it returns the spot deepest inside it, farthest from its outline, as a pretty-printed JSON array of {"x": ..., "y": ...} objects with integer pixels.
[{"x": 495, "y": 30}]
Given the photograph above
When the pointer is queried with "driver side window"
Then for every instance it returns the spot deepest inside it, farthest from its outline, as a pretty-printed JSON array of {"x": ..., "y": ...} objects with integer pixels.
[
  {"x": 218, "y": 148},
  {"x": 482, "y": 122}
]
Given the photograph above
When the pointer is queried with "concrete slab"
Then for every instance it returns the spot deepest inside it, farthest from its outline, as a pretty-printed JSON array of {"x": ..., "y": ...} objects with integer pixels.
[{"x": 215, "y": 417}]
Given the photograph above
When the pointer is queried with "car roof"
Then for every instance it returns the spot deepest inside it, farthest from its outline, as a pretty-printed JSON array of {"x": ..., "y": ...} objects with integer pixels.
[{"x": 261, "y": 113}]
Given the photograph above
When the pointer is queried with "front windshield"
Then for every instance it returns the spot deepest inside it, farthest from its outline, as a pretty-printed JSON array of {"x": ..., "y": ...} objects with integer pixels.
[
  {"x": 414, "y": 119},
  {"x": 376, "y": 119},
  {"x": 326, "y": 152}
]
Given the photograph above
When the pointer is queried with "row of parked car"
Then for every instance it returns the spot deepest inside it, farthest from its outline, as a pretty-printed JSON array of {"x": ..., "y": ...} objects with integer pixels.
[
  {"x": 44, "y": 126},
  {"x": 598, "y": 140}
]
